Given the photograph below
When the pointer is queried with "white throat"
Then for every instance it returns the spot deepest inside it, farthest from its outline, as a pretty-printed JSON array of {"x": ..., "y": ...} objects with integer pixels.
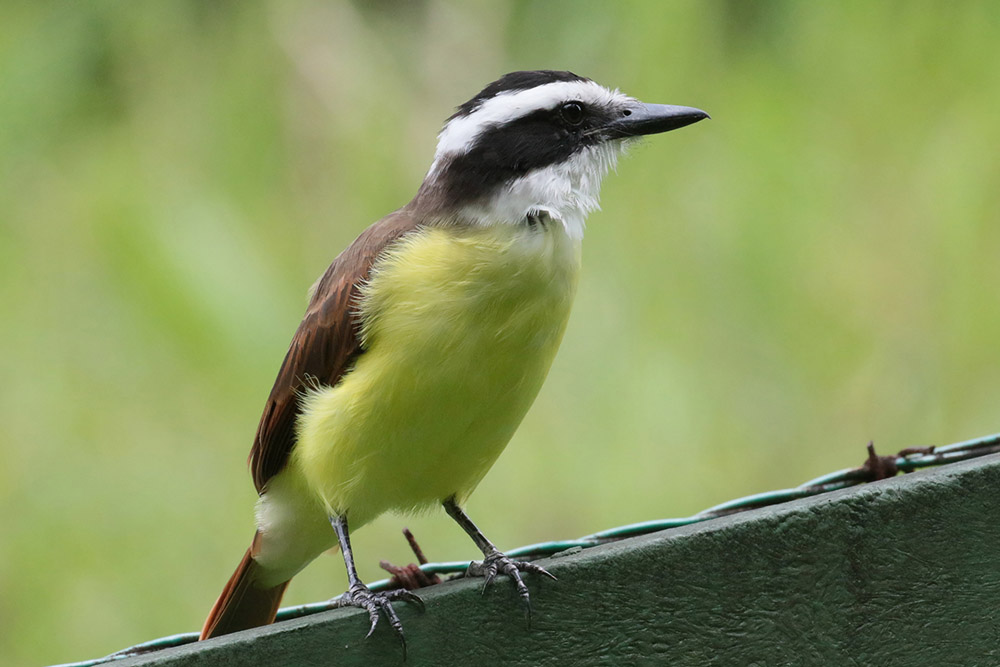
[{"x": 566, "y": 192}]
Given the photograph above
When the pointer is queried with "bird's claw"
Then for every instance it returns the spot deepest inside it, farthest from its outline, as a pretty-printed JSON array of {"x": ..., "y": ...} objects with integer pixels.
[
  {"x": 377, "y": 604},
  {"x": 498, "y": 563}
]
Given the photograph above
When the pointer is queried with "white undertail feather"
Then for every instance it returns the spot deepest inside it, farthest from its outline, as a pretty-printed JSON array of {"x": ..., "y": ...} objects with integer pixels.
[{"x": 293, "y": 529}]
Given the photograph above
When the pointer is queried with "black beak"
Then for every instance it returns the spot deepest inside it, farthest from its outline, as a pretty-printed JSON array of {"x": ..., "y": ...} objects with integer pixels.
[{"x": 638, "y": 119}]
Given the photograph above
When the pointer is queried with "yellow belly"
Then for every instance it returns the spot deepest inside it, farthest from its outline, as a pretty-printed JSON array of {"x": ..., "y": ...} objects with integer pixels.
[{"x": 460, "y": 328}]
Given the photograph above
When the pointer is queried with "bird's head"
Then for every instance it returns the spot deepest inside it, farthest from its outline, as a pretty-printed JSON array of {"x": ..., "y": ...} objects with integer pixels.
[{"x": 538, "y": 142}]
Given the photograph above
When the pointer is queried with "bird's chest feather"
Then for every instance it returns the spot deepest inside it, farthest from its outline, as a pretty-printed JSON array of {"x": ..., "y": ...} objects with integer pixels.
[
  {"x": 472, "y": 294},
  {"x": 459, "y": 328}
]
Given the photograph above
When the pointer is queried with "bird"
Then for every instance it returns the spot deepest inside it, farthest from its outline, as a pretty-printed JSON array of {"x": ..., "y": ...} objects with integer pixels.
[{"x": 428, "y": 338}]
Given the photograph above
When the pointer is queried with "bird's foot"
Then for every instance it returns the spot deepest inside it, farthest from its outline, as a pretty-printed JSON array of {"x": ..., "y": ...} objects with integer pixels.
[
  {"x": 376, "y": 604},
  {"x": 498, "y": 563}
]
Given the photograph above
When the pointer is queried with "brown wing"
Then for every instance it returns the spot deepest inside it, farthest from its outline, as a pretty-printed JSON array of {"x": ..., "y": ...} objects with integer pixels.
[{"x": 324, "y": 346}]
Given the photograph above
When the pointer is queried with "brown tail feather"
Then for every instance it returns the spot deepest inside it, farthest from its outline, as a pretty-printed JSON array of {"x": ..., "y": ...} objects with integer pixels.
[{"x": 242, "y": 605}]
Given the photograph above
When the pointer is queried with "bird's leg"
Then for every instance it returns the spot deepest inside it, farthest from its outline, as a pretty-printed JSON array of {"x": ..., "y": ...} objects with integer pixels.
[
  {"x": 359, "y": 595},
  {"x": 494, "y": 561}
]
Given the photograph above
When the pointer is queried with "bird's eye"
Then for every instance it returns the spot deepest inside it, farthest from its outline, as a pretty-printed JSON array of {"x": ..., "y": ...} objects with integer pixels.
[{"x": 572, "y": 113}]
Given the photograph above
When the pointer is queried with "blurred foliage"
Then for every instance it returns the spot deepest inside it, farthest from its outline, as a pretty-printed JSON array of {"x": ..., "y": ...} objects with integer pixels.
[{"x": 763, "y": 293}]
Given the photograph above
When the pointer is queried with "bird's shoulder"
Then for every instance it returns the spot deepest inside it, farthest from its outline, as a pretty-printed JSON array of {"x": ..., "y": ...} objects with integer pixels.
[{"x": 324, "y": 346}]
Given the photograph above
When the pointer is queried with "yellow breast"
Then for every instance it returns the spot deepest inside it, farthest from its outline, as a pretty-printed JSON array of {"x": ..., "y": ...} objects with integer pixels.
[{"x": 460, "y": 326}]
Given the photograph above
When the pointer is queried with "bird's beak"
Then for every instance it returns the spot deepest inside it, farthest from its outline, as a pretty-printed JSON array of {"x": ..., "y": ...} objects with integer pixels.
[{"x": 638, "y": 119}]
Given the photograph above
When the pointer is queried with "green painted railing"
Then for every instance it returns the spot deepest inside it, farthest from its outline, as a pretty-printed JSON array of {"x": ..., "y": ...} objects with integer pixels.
[{"x": 903, "y": 571}]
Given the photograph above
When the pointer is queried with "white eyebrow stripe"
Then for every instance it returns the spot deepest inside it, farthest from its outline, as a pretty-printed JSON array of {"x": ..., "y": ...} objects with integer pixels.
[{"x": 459, "y": 135}]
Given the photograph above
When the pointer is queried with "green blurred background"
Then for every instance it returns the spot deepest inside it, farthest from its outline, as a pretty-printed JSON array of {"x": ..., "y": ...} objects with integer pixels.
[{"x": 763, "y": 293}]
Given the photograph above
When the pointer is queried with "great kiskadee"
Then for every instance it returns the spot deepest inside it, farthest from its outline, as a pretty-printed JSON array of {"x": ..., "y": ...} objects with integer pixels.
[{"x": 428, "y": 338}]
